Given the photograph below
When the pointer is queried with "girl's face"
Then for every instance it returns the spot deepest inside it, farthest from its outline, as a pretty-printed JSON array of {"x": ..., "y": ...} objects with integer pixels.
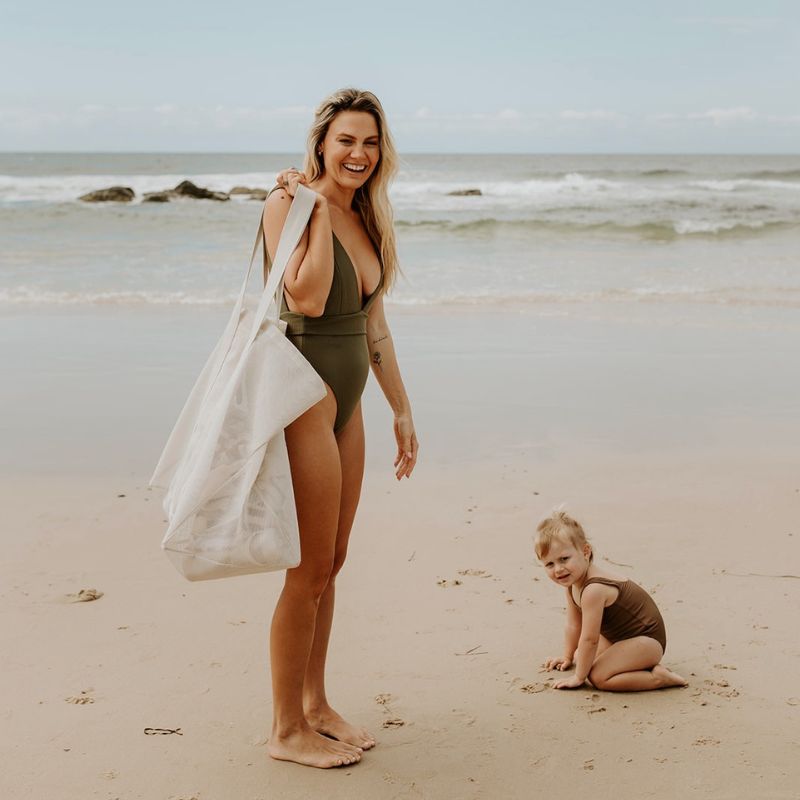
[
  {"x": 351, "y": 148},
  {"x": 566, "y": 564}
]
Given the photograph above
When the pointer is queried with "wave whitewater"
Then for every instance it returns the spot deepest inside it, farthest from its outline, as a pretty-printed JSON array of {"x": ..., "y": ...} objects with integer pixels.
[
  {"x": 745, "y": 296},
  {"x": 663, "y": 231}
]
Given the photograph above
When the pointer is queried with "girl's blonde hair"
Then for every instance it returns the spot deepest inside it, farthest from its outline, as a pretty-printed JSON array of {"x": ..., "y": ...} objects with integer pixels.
[
  {"x": 372, "y": 199},
  {"x": 562, "y": 527}
]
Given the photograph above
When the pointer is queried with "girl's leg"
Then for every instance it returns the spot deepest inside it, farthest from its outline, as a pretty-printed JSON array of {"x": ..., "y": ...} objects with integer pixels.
[
  {"x": 318, "y": 711},
  {"x": 632, "y": 665},
  {"x": 316, "y": 478}
]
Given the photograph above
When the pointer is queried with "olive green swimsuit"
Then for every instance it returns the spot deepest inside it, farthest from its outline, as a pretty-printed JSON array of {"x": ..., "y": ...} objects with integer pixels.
[{"x": 335, "y": 344}]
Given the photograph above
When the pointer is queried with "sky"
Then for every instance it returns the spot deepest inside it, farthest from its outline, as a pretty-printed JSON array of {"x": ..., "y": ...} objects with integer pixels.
[{"x": 495, "y": 76}]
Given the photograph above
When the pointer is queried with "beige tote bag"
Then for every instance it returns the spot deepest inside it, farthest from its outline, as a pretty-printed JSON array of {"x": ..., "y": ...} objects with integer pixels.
[{"x": 229, "y": 500}]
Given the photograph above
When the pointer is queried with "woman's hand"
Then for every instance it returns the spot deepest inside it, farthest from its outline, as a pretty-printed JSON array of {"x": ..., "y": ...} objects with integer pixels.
[
  {"x": 289, "y": 178},
  {"x": 569, "y": 683},
  {"x": 407, "y": 446},
  {"x": 561, "y": 664}
]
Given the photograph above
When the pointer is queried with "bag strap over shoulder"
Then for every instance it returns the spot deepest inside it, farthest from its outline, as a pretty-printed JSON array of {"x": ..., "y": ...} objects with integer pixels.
[{"x": 293, "y": 227}]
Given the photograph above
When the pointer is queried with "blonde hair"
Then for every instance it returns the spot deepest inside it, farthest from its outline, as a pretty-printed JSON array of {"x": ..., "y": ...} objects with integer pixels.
[
  {"x": 562, "y": 527},
  {"x": 372, "y": 199}
]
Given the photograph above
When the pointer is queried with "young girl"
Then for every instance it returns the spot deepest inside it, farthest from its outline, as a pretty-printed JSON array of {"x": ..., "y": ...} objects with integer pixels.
[{"x": 615, "y": 634}]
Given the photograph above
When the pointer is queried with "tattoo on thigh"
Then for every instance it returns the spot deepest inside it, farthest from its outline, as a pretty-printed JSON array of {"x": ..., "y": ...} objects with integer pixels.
[{"x": 377, "y": 359}]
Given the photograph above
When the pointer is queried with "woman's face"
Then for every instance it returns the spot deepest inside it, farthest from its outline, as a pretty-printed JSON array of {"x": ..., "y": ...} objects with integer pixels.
[{"x": 351, "y": 148}]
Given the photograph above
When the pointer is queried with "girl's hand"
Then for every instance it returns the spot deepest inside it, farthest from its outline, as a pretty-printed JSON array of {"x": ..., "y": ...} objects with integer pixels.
[
  {"x": 561, "y": 664},
  {"x": 289, "y": 178},
  {"x": 569, "y": 683},
  {"x": 407, "y": 446}
]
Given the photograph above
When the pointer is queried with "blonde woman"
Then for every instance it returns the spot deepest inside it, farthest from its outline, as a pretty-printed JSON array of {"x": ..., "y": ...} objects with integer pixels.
[{"x": 333, "y": 307}]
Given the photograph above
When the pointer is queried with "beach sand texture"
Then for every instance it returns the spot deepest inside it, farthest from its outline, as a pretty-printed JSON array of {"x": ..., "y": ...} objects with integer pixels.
[
  {"x": 619, "y": 334},
  {"x": 690, "y": 486}
]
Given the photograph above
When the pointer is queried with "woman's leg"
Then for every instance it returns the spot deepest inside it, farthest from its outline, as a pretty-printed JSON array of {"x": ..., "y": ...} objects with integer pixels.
[
  {"x": 316, "y": 478},
  {"x": 632, "y": 665},
  {"x": 320, "y": 715}
]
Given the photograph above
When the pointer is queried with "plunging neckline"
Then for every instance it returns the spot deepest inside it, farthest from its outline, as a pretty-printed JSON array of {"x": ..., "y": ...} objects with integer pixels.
[{"x": 364, "y": 300}]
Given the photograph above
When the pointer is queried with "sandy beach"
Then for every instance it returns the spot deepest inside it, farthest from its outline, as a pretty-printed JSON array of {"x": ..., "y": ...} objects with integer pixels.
[{"x": 670, "y": 433}]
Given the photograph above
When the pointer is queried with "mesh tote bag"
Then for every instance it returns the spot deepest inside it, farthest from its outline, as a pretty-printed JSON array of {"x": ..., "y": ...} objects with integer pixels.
[{"x": 229, "y": 499}]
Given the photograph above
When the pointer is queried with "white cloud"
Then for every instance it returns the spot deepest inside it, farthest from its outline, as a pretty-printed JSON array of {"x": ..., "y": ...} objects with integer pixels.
[
  {"x": 596, "y": 115},
  {"x": 724, "y": 116}
]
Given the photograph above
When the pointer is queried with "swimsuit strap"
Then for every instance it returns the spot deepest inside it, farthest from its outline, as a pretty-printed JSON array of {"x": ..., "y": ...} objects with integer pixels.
[{"x": 605, "y": 582}]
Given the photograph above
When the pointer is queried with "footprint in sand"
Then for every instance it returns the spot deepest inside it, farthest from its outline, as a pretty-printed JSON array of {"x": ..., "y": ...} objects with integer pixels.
[
  {"x": 393, "y": 722},
  {"x": 84, "y": 596},
  {"x": 82, "y": 699},
  {"x": 445, "y": 583},
  {"x": 475, "y": 573},
  {"x": 534, "y": 688}
]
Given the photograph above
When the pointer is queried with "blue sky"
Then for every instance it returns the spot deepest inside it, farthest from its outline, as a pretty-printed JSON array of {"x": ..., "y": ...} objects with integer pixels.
[{"x": 494, "y": 76}]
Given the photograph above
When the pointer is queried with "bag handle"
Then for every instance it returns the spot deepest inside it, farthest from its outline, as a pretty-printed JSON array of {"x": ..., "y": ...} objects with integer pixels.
[{"x": 293, "y": 228}]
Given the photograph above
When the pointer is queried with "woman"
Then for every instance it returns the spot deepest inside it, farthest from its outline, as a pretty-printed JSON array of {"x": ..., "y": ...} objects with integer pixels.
[{"x": 333, "y": 307}]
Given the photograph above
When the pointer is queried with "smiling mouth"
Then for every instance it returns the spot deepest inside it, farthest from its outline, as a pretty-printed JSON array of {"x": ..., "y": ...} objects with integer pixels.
[{"x": 355, "y": 168}]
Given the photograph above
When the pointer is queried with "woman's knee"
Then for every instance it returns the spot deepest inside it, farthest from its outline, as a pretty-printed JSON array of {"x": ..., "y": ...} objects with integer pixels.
[
  {"x": 338, "y": 561},
  {"x": 311, "y": 580}
]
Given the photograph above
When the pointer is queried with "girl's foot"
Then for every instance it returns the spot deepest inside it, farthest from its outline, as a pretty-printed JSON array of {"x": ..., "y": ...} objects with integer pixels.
[
  {"x": 327, "y": 722},
  {"x": 666, "y": 677},
  {"x": 308, "y": 747}
]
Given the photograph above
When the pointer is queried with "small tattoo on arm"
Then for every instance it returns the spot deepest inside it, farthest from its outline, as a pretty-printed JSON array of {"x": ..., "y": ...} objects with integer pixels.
[
  {"x": 377, "y": 359},
  {"x": 375, "y": 341}
]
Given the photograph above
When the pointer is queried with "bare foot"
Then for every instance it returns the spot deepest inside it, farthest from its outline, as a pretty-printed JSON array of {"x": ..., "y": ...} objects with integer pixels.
[
  {"x": 327, "y": 722},
  {"x": 667, "y": 677},
  {"x": 309, "y": 748}
]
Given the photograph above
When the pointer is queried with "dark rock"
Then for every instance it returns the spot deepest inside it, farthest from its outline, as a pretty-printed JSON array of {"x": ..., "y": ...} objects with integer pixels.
[
  {"x": 114, "y": 194},
  {"x": 466, "y": 193},
  {"x": 188, "y": 189},
  {"x": 157, "y": 197},
  {"x": 255, "y": 193}
]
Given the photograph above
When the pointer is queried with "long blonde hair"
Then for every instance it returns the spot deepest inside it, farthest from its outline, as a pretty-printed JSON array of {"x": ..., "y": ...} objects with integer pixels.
[{"x": 372, "y": 199}]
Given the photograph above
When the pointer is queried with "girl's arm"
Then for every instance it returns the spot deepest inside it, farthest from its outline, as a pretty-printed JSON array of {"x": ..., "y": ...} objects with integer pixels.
[
  {"x": 592, "y": 605},
  {"x": 572, "y": 632},
  {"x": 309, "y": 273},
  {"x": 387, "y": 372}
]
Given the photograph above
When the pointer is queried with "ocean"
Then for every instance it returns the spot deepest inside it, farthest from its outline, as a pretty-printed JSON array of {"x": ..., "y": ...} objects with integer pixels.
[{"x": 544, "y": 230}]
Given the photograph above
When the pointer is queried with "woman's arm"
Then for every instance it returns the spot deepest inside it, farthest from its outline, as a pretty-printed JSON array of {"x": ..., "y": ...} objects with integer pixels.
[
  {"x": 591, "y": 611},
  {"x": 309, "y": 273},
  {"x": 387, "y": 372}
]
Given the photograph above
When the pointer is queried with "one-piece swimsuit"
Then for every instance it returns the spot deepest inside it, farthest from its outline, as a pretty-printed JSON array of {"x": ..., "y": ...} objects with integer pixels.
[
  {"x": 633, "y": 613},
  {"x": 335, "y": 344}
]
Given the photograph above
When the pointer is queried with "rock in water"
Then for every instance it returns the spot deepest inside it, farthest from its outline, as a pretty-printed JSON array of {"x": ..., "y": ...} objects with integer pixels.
[
  {"x": 156, "y": 197},
  {"x": 466, "y": 193},
  {"x": 188, "y": 189},
  {"x": 255, "y": 193},
  {"x": 114, "y": 194}
]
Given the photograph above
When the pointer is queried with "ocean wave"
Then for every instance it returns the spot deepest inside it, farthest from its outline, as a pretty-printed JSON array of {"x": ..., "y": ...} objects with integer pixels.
[
  {"x": 744, "y": 296},
  {"x": 774, "y": 174},
  {"x": 779, "y": 297},
  {"x": 739, "y": 184},
  {"x": 662, "y": 230},
  {"x": 25, "y": 295}
]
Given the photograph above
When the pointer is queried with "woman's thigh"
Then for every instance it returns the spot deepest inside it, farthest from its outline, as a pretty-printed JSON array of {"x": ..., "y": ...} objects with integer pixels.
[
  {"x": 317, "y": 483},
  {"x": 629, "y": 655},
  {"x": 350, "y": 441}
]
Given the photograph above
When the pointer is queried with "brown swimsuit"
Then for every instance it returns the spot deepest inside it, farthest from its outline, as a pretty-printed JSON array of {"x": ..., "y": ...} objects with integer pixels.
[{"x": 633, "y": 613}]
